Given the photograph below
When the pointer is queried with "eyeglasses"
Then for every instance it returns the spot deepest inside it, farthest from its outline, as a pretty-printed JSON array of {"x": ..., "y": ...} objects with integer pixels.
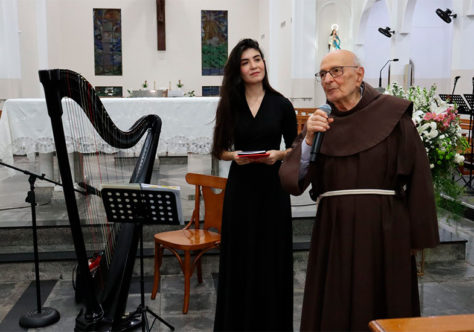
[{"x": 335, "y": 72}]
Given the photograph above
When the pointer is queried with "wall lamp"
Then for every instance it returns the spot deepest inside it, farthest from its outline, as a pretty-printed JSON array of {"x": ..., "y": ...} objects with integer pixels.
[
  {"x": 386, "y": 32},
  {"x": 445, "y": 15}
]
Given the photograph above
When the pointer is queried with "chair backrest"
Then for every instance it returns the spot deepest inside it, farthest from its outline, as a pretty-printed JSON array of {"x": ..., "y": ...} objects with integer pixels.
[{"x": 213, "y": 201}]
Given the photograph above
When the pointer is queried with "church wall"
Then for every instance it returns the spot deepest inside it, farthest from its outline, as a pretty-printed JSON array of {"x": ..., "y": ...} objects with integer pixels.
[
  {"x": 289, "y": 48},
  {"x": 70, "y": 41},
  {"x": 303, "y": 66},
  {"x": 69, "y": 38},
  {"x": 281, "y": 28},
  {"x": 436, "y": 48}
]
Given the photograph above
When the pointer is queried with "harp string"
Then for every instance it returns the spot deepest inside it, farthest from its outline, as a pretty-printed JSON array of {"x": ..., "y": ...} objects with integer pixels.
[
  {"x": 85, "y": 139},
  {"x": 93, "y": 209}
]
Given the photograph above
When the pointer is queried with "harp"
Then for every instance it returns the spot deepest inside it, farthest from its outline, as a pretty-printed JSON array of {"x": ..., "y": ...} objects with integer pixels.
[{"x": 105, "y": 293}]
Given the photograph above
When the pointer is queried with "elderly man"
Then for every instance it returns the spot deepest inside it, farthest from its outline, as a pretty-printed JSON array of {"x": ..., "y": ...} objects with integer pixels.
[{"x": 376, "y": 204}]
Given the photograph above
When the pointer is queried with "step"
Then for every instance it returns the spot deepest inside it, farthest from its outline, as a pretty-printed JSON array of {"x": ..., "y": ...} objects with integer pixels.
[
  {"x": 50, "y": 270},
  {"x": 55, "y": 242},
  {"x": 55, "y": 245}
]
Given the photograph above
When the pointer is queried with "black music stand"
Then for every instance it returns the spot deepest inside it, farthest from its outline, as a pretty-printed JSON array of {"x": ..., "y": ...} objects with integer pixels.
[
  {"x": 41, "y": 316},
  {"x": 458, "y": 100},
  {"x": 470, "y": 100},
  {"x": 131, "y": 204}
]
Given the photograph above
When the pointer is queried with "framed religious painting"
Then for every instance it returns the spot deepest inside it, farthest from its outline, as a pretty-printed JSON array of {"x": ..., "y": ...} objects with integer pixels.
[
  {"x": 108, "y": 41},
  {"x": 214, "y": 41}
]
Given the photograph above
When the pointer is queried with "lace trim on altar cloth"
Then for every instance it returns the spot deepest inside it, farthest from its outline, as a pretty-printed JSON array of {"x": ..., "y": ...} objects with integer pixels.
[{"x": 177, "y": 145}]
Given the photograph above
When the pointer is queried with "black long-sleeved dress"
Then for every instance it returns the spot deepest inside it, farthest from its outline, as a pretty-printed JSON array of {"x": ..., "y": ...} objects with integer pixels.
[{"x": 255, "y": 287}]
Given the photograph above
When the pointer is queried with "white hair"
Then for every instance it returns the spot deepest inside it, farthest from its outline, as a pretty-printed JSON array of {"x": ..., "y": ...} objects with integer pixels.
[{"x": 357, "y": 61}]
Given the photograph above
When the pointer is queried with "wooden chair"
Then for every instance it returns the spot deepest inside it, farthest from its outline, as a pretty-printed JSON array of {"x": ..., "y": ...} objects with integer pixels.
[
  {"x": 302, "y": 115},
  {"x": 422, "y": 324},
  {"x": 194, "y": 238}
]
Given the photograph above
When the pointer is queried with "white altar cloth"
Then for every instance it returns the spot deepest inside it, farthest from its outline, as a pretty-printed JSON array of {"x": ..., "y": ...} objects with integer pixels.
[{"x": 187, "y": 123}]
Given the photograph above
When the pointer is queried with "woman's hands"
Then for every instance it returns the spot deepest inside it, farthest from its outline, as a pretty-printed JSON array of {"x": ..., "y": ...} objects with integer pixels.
[
  {"x": 318, "y": 122},
  {"x": 273, "y": 157},
  {"x": 239, "y": 160}
]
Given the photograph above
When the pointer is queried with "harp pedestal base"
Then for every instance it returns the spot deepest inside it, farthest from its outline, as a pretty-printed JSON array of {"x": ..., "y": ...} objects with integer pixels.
[{"x": 34, "y": 318}]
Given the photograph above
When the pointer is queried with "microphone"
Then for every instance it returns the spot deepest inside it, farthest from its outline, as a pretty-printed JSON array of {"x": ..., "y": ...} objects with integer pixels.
[
  {"x": 318, "y": 138},
  {"x": 455, "y": 82},
  {"x": 380, "y": 74},
  {"x": 454, "y": 87}
]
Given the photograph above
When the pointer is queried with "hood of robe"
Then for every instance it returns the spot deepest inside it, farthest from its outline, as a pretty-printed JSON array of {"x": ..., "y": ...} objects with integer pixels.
[{"x": 364, "y": 126}]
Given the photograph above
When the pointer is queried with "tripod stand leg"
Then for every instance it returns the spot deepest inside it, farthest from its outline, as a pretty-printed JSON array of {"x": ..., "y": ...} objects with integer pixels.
[
  {"x": 144, "y": 309},
  {"x": 159, "y": 318}
]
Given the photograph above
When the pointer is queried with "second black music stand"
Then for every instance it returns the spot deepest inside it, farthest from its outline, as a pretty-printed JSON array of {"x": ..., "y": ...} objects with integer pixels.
[
  {"x": 470, "y": 100},
  {"x": 458, "y": 100},
  {"x": 131, "y": 204}
]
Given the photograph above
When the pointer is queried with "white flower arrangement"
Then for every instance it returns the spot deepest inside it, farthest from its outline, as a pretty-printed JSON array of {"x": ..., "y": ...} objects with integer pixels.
[{"x": 437, "y": 123}]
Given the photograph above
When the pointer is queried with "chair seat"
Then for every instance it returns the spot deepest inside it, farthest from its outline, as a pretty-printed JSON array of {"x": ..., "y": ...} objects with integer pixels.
[{"x": 188, "y": 238}]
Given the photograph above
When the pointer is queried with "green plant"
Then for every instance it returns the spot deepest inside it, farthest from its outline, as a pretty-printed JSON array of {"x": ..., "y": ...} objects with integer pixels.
[{"x": 179, "y": 85}]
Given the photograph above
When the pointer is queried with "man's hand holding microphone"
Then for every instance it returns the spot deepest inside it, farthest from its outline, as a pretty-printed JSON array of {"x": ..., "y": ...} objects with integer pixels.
[{"x": 316, "y": 125}]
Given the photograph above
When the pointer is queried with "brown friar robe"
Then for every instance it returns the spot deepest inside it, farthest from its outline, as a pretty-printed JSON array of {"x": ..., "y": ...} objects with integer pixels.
[{"x": 359, "y": 265}]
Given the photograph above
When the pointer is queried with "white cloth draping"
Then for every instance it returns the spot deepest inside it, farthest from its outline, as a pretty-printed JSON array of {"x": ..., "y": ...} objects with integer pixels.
[{"x": 187, "y": 124}]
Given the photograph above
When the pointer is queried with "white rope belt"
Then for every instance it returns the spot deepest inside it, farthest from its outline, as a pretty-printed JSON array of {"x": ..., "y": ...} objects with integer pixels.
[{"x": 355, "y": 192}]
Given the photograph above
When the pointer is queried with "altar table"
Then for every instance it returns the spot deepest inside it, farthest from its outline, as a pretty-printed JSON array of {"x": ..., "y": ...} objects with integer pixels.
[{"x": 188, "y": 123}]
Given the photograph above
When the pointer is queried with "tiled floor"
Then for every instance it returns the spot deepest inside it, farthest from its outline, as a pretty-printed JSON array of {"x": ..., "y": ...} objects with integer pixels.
[{"x": 446, "y": 287}]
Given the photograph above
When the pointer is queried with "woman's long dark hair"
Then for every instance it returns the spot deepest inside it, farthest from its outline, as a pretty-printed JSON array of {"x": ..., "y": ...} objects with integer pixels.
[{"x": 232, "y": 95}]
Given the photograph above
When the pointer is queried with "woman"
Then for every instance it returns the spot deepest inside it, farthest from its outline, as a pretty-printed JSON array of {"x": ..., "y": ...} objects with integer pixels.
[{"x": 255, "y": 288}]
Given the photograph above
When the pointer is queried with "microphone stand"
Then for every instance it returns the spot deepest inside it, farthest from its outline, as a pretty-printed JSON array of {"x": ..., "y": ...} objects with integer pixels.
[
  {"x": 41, "y": 316},
  {"x": 380, "y": 74}
]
